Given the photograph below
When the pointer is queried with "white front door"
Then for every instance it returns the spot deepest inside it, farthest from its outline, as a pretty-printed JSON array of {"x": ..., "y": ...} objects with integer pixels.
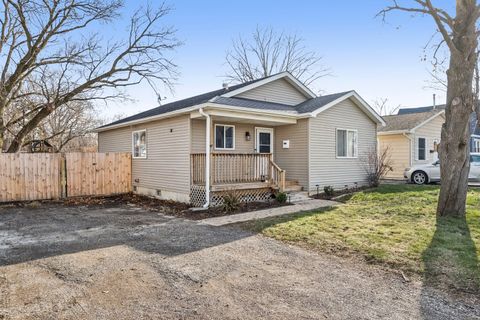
[
  {"x": 264, "y": 140},
  {"x": 263, "y": 144}
]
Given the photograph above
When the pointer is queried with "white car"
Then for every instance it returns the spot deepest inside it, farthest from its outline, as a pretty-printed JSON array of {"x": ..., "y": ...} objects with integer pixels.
[{"x": 427, "y": 173}]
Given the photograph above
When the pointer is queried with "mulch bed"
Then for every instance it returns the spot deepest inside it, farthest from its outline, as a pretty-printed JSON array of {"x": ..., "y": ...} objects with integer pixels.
[
  {"x": 167, "y": 207},
  {"x": 338, "y": 193}
]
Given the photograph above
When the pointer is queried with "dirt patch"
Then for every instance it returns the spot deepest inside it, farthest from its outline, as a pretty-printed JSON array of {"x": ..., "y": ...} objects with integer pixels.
[{"x": 171, "y": 208}]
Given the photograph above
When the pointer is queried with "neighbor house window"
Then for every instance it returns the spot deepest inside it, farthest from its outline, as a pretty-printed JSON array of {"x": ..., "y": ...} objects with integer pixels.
[
  {"x": 224, "y": 137},
  {"x": 139, "y": 140},
  {"x": 347, "y": 143},
  {"x": 422, "y": 149},
  {"x": 476, "y": 145}
]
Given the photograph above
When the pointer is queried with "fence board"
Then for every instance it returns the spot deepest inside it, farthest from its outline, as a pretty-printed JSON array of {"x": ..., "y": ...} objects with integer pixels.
[
  {"x": 26, "y": 176},
  {"x": 98, "y": 173}
]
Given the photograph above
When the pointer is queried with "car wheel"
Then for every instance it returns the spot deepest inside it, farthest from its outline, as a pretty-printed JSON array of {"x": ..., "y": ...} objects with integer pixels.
[{"x": 419, "y": 177}]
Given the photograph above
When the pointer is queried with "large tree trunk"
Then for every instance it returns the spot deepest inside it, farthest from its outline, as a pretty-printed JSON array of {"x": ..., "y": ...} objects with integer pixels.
[{"x": 455, "y": 146}]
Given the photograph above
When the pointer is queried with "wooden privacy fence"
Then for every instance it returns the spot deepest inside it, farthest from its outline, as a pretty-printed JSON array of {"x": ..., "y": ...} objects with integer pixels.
[{"x": 26, "y": 176}]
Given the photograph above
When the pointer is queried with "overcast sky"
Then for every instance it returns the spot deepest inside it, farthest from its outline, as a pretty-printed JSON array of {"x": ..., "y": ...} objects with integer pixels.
[{"x": 377, "y": 59}]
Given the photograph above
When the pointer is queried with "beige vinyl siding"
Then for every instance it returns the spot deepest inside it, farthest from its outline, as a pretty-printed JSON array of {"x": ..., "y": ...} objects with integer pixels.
[
  {"x": 431, "y": 131},
  {"x": 293, "y": 160},
  {"x": 278, "y": 91},
  {"x": 241, "y": 144},
  {"x": 167, "y": 166},
  {"x": 325, "y": 168},
  {"x": 116, "y": 140},
  {"x": 399, "y": 151}
]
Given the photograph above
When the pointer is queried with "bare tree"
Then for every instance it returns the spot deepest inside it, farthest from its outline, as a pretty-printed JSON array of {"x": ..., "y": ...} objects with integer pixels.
[
  {"x": 49, "y": 62},
  {"x": 377, "y": 165},
  {"x": 69, "y": 128},
  {"x": 382, "y": 107},
  {"x": 269, "y": 52},
  {"x": 459, "y": 34}
]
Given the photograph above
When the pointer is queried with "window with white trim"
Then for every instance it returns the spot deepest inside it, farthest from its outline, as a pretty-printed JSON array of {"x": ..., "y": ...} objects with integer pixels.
[
  {"x": 224, "y": 137},
  {"x": 422, "y": 148},
  {"x": 347, "y": 143},
  {"x": 476, "y": 145},
  {"x": 139, "y": 144}
]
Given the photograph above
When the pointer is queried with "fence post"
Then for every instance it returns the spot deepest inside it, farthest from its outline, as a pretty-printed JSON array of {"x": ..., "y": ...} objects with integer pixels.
[{"x": 63, "y": 175}]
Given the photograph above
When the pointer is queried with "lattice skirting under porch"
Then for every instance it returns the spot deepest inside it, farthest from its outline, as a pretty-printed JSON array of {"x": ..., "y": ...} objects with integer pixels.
[{"x": 197, "y": 195}]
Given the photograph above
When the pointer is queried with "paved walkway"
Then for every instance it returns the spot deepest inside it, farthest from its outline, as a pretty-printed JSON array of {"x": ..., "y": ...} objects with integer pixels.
[{"x": 279, "y": 211}]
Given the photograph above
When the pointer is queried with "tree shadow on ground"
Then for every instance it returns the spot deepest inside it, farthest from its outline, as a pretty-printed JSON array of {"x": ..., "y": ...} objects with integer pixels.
[
  {"x": 30, "y": 234},
  {"x": 451, "y": 263}
]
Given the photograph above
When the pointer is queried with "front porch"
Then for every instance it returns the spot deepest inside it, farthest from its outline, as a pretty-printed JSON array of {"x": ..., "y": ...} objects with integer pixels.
[
  {"x": 245, "y": 152},
  {"x": 253, "y": 176}
]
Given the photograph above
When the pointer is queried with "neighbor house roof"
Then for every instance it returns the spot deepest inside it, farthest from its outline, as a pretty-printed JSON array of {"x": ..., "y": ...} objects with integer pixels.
[
  {"x": 226, "y": 98},
  {"x": 475, "y": 129},
  {"x": 408, "y": 121},
  {"x": 420, "y": 109}
]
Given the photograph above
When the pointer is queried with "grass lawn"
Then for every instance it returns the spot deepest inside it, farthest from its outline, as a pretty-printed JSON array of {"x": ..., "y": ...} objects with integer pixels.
[{"x": 393, "y": 225}]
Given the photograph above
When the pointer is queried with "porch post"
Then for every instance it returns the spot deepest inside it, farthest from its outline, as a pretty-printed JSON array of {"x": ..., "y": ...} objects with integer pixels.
[{"x": 207, "y": 156}]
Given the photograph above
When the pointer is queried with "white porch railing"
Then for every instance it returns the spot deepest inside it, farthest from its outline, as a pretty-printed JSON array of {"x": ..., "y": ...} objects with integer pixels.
[{"x": 231, "y": 168}]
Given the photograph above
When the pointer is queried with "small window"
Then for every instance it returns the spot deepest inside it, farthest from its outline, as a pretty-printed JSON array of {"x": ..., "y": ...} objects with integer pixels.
[
  {"x": 476, "y": 145},
  {"x": 346, "y": 143},
  {"x": 139, "y": 140},
  {"x": 224, "y": 137},
  {"x": 422, "y": 149}
]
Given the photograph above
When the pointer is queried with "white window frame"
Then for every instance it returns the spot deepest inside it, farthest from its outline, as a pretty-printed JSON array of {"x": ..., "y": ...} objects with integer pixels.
[
  {"x": 355, "y": 156},
  {"x": 224, "y": 138},
  {"x": 133, "y": 144},
  {"x": 418, "y": 149},
  {"x": 476, "y": 144}
]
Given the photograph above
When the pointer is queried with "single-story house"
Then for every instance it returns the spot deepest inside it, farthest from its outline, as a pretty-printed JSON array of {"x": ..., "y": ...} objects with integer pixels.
[
  {"x": 268, "y": 134},
  {"x": 413, "y": 136}
]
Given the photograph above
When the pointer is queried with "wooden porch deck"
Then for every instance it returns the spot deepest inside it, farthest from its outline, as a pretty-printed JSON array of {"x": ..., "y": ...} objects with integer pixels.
[{"x": 229, "y": 171}]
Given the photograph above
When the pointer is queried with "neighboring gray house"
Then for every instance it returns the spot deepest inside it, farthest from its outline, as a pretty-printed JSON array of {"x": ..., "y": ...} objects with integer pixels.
[{"x": 255, "y": 137}]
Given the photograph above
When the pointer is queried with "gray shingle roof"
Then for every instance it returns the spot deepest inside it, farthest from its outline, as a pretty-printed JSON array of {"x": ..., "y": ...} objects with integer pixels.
[
  {"x": 215, "y": 96},
  {"x": 181, "y": 104},
  {"x": 406, "y": 121},
  {"x": 318, "y": 102},
  {"x": 420, "y": 109},
  {"x": 254, "y": 104}
]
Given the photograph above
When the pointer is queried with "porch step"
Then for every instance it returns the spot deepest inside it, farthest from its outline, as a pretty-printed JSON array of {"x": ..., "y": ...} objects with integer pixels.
[
  {"x": 292, "y": 186},
  {"x": 298, "y": 196}
]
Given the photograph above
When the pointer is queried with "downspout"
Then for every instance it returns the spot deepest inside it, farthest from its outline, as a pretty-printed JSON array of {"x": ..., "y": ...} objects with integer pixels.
[{"x": 207, "y": 156}]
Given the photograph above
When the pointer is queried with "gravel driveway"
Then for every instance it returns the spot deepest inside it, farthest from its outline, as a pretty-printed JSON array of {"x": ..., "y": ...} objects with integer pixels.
[{"x": 126, "y": 263}]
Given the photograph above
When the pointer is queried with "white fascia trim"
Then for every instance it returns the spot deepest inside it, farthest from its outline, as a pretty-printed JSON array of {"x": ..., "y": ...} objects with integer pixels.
[
  {"x": 362, "y": 103},
  {"x": 152, "y": 118},
  {"x": 386, "y": 133},
  {"x": 294, "y": 81},
  {"x": 428, "y": 120}
]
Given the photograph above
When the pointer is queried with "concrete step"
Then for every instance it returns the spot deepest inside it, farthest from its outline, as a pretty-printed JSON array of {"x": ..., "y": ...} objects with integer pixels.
[
  {"x": 292, "y": 188},
  {"x": 298, "y": 196},
  {"x": 291, "y": 183}
]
